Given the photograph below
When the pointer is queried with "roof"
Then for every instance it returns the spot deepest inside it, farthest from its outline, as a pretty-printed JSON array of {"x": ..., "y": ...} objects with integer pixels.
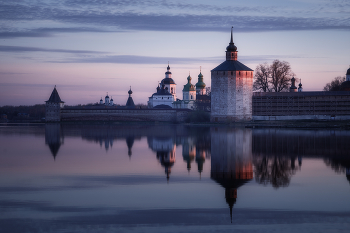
[
  {"x": 130, "y": 103},
  {"x": 54, "y": 98},
  {"x": 168, "y": 81},
  {"x": 162, "y": 91},
  {"x": 345, "y": 86},
  {"x": 231, "y": 65}
]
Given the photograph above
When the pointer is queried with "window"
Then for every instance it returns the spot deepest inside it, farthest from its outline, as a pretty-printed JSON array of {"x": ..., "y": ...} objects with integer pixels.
[
  {"x": 224, "y": 72},
  {"x": 231, "y": 72},
  {"x": 191, "y": 97},
  {"x": 239, "y": 72}
]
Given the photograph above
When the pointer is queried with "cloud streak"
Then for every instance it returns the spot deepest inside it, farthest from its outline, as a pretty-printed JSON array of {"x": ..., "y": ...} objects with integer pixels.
[
  {"x": 21, "y": 49},
  {"x": 116, "y": 16}
]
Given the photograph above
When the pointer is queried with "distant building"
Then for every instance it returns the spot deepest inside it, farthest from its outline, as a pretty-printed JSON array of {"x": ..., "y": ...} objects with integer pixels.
[
  {"x": 53, "y": 107},
  {"x": 293, "y": 88},
  {"x": 231, "y": 89},
  {"x": 166, "y": 93},
  {"x": 108, "y": 102},
  {"x": 200, "y": 85},
  {"x": 189, "y": 96},
  {"x": 130, "y": 101},
  {"x": 345, "y": 86}
]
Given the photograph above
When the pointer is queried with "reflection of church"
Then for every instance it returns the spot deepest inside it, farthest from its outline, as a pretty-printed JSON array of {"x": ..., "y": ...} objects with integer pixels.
[
  {"x": 165, "y": 149},
  {"x": 53, "y": 137},
  {"x": 231, "y": 160}
]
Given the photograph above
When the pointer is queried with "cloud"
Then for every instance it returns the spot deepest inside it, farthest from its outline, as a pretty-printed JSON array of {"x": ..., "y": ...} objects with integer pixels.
[
  {"x": 48, "y": 32},
  {"x": 112, "y": 16},
  {"x": 131, "y": 59},
  {"x": 20, "y": 49}
]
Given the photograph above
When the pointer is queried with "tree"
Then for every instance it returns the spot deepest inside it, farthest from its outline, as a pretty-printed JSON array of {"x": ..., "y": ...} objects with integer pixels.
[
  {"x": 275, "y": 77},
  {"x": 335, "y": 84},
  {"x": 262, "y": 76}
]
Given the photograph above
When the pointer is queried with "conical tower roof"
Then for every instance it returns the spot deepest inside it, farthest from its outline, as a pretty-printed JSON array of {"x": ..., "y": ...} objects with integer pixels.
[{"x": 54, "y": 97}]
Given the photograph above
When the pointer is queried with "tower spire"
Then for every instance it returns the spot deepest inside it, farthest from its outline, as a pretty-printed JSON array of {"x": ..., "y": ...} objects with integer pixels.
[{"x": 231, "y": 35}]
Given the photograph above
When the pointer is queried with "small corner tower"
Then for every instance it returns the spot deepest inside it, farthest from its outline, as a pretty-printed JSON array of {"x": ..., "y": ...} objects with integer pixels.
[
  {"x": 53, "y": 107},
  {"x": 231, "y": 89},
  {"x": 348, "y": 75},
  {"x": 130, "y": 101}
]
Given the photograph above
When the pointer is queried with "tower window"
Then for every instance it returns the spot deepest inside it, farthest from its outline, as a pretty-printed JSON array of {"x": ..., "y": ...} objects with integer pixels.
[
  {"x": 224, "y": 72},
  {"x": 231, "y": 72},
  {"x": 239, "y": 72}
]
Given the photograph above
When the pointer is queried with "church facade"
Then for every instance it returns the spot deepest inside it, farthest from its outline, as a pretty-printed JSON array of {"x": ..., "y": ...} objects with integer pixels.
[{"x": 231, "y": 89}]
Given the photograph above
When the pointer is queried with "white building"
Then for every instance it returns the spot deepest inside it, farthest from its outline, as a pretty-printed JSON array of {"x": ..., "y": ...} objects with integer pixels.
[
  {"x": 189, "y": 96},
  {"x": 161, "y": 99}
]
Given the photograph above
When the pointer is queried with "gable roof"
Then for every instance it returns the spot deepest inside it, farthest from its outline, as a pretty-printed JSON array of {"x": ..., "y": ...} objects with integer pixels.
[
  {"x": 231, "y": 65},
  {"x": 54, "y": 98}
]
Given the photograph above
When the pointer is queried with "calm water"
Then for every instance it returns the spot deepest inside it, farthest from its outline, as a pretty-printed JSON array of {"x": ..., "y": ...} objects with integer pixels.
[{"x": 173, "y": 178}]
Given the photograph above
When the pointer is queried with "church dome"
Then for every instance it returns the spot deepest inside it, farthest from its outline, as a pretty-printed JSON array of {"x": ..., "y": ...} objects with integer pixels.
[
  {"x": 231, "y": 47},
  {"x": 200, "y": 83},
  {"x": 345, "y": 86},
  {"x": 168, "y": 81}
]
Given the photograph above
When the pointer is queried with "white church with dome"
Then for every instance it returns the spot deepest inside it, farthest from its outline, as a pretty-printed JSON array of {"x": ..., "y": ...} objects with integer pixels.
[{"x": 165, "y": 96}]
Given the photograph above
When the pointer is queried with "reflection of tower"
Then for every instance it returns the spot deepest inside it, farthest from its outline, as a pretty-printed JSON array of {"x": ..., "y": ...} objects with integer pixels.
[
  {"x": 166, "y": 152},
  {"x": 231, "y": 160},
  {"x": 200, "y": 159},
  {"x": 53, "y": 137},
  {"x": 188, "y": 152},
  {"x": 130, "y": 143}
]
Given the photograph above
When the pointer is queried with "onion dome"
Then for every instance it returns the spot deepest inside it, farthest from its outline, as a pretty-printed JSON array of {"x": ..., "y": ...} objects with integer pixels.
[
  {"x": 168, "y": 81},
  {"x": 300, "y": 85},
  {"x": 130, "y": 91},
  {"x": 189, "y": 86},
  {"x": 168, "y": 70},
  {"x": 348, "y": 72},
  {"x": 200, "y": 83}
]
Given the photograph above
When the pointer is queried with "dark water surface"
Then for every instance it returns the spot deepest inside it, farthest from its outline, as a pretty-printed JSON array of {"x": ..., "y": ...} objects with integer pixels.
[{"x": 173, "y": 178}]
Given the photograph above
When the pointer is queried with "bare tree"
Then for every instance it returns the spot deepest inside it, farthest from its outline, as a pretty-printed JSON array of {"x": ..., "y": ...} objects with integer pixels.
[
  {"x": 335, "y": 84},
  {"x": 262, "y": 76},
  {"x": 275, "y": 77},
  {"x": 281, "y": 74}
]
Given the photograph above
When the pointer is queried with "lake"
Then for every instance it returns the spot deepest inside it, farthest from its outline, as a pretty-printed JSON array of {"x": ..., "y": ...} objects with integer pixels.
[{"x": 172, "y": 178}]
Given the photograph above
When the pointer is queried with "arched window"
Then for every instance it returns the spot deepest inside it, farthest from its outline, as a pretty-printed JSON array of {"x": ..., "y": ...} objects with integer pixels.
[
  {"x": 171, "y": 90},
  {"x": 191, "y": 97},
  {"x": 231, "y": 72}
]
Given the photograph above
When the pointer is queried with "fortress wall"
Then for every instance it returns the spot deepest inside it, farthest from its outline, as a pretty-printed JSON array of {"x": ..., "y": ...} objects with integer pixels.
[
  {"x": 169, "y": 115},
  {"x": 314, "y": 105}
]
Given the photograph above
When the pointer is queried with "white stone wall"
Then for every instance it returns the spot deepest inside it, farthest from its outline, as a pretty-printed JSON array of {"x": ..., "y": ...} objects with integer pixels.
[
  {"x": 231, "y": 95},
  {"x": 160, "y": 99},
  {"x": 52, "y": 112}
]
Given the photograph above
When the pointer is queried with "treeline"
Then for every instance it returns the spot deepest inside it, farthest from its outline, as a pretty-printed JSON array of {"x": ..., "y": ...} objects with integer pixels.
[{"x": 34, "y": 112}]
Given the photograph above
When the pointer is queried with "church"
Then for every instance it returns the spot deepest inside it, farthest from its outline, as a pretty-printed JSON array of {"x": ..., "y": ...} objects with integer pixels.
[{"x": 165, "y": 95}]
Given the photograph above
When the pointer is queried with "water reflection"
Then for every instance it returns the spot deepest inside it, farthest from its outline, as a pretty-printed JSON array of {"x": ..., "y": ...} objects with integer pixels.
[
  {"x": 165, "y": 150},
  {"x": 53, "y": 138},
  {"x": 208, "y": 170},
  {"x": 231, "y": 161}
]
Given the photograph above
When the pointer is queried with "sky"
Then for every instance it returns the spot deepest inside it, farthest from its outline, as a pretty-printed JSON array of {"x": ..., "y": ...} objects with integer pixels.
[{"x": 90, "y": 47}]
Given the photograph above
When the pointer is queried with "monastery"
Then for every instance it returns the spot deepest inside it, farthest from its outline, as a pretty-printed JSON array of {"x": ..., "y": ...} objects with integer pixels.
[{"x": 232, "y": 99}]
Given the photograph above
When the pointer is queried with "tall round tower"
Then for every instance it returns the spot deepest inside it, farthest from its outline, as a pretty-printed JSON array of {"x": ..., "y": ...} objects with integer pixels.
[{"x": 231, "y": 89}]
